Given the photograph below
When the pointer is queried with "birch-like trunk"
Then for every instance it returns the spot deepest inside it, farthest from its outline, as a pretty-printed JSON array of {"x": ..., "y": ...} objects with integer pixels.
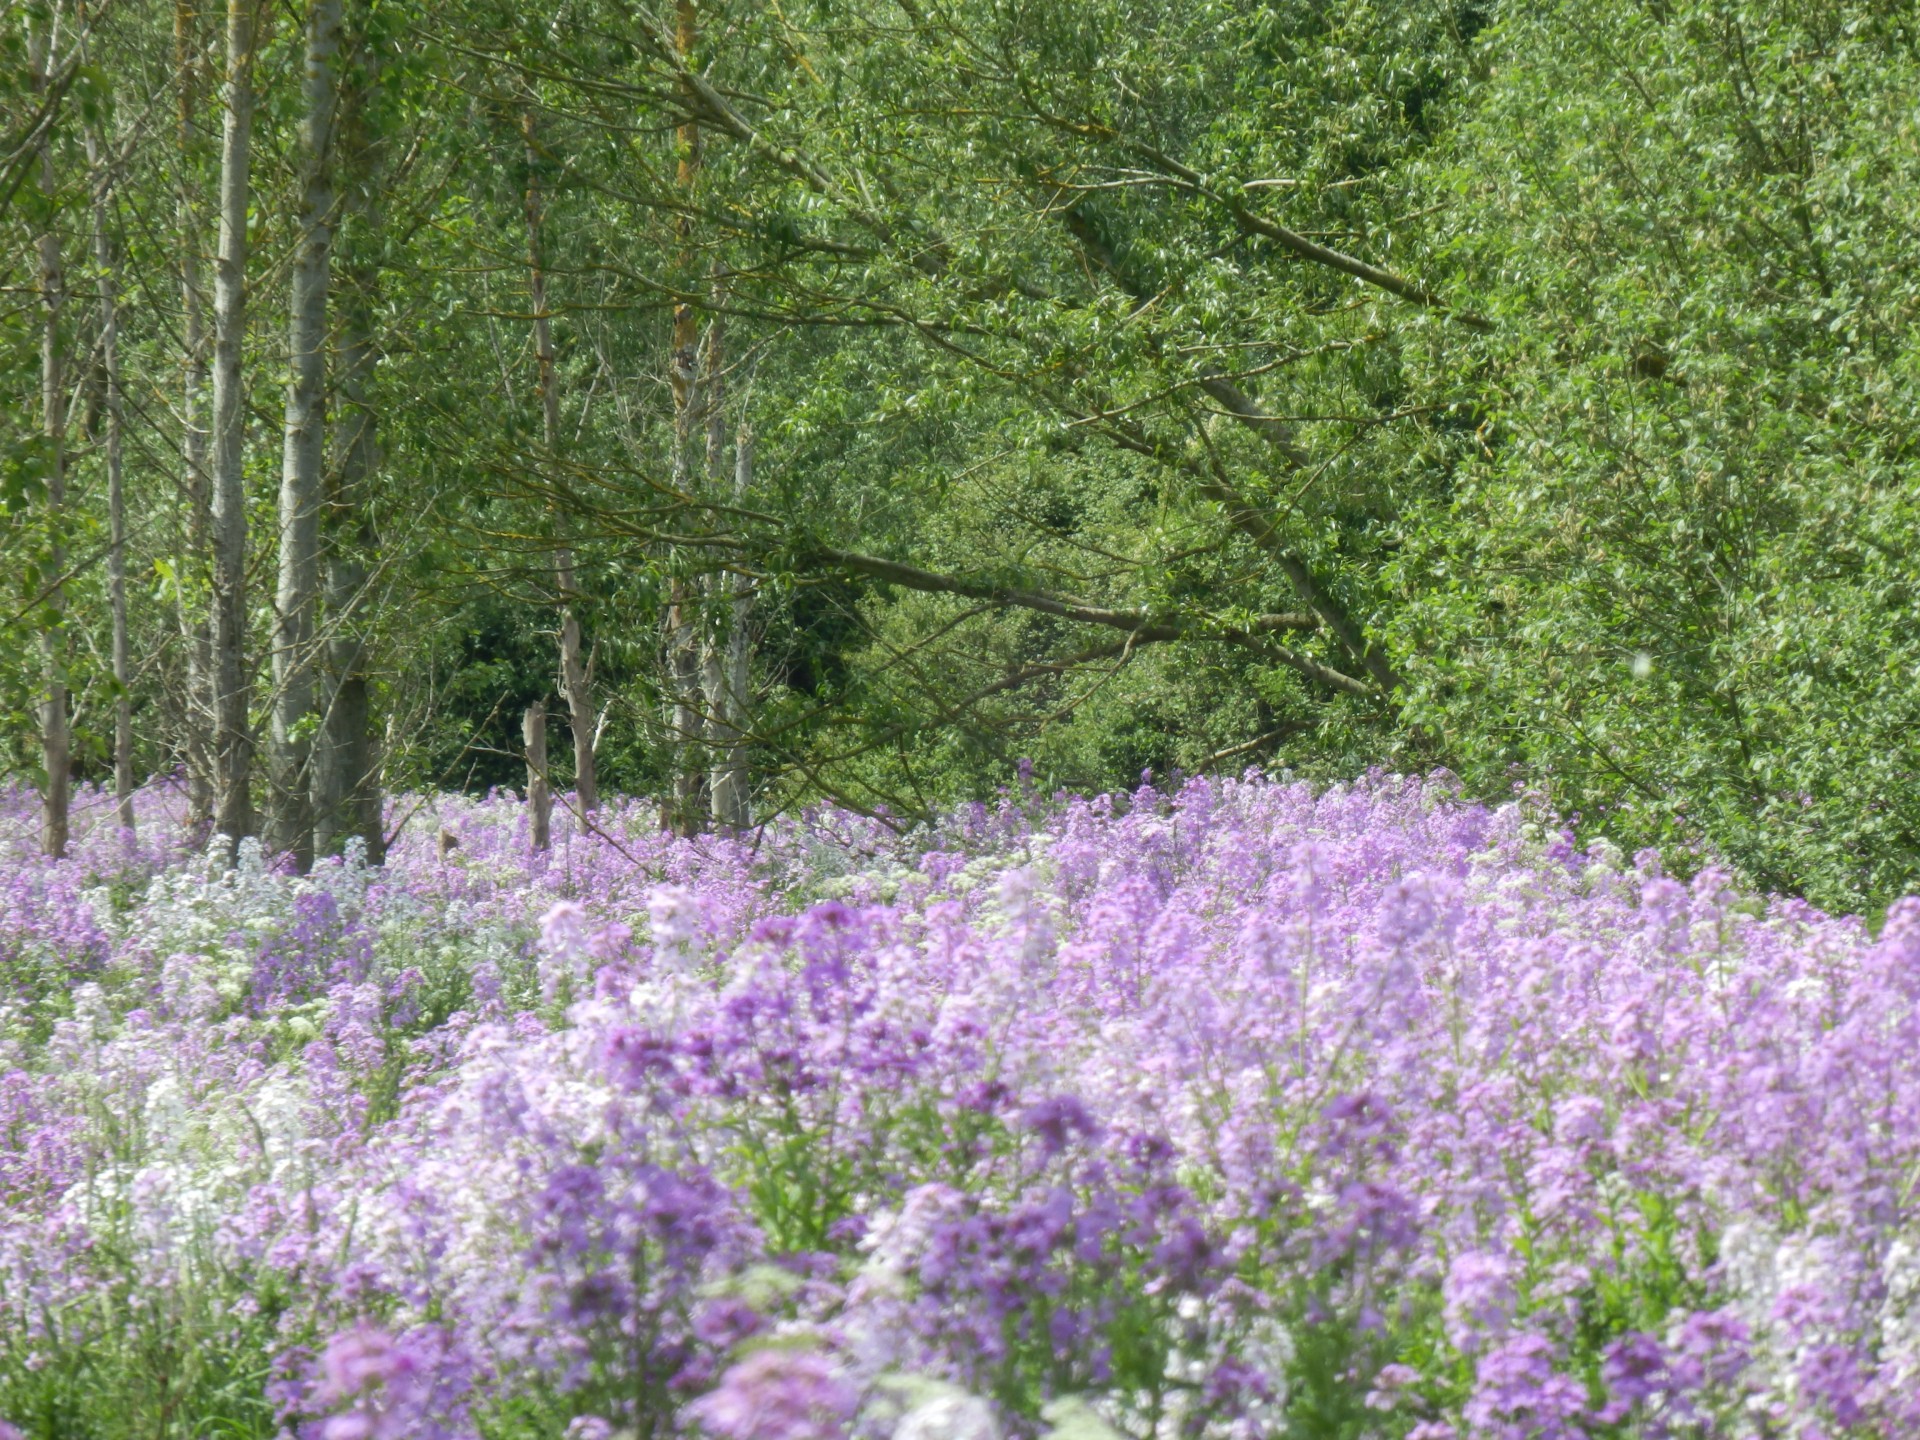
[
  {"x": 191, "y": 566},
  {"x": 107, "y": 262},
  {"x": 233, "y": 737},
  {"x": 303, "y": 458},
  {"x": 686, "y": 724},
  {"x": 55, "y": 738},
  {"x": 346, "y": 770},
  {"x": 533, "y": 733},
  {"x": 686, "y": 727},
  {"x": 574, "y": 685},
  {"x": 728, "y": 693},
  {"x": 347, "y": 796},
  {"x": 722, "y": 643},
  {"x": 713, "y": 418}
]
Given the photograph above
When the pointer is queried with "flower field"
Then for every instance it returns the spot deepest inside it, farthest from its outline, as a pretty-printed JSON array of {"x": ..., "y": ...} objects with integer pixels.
[{"x": 1245, "y": 1110}]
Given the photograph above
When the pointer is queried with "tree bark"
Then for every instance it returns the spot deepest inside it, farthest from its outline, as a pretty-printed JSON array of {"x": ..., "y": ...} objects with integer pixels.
[
  {"x": 346, "y": 770},
  {"x": 191, "y": 570},
  {"x": 723, "y": 653},
  {"x": 289, "y": 811},
  {"x": 233, "y": 738},
  {"x": 727, "y": 702},
  {"x": 713, "y": 417},
  {"x": 346, "y": 774},
  {"x": 686, "y": 729},
  {"x": 108, "y": 264},
  {"x": 55, "y": 739},
  {"x": 686, "y": 733},
  {"x": 574, "y": 686},
  {"x": 533, "y": 730}
]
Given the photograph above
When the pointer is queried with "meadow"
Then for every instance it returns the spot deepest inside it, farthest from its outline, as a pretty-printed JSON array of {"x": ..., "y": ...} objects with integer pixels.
[{"x": 1239, "y": 1108}]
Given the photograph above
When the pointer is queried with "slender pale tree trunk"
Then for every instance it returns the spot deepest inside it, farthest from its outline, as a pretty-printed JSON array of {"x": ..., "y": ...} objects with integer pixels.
[
  {"x": 728, "y": 696},
  {"x": 346, "y": 771},
  {"x": 191, "y": 565},
  {"x": 346, "y": 779},
  {"x": 346, "y": 765},
  {"x": 107, "y": 262},
  {"x": 233, "y": 737},
  {"x": 303, "y": 459},
  {"x": 533, "y": 732},
  {"x": 713, "y": 417},
  {"x": 686, "y": 727},
  {"x": 686, "y": 724},
  {"x": 722, "y": 644},
  {"x": 55, "y": 741},
  {"x": 574, "y": 685}
]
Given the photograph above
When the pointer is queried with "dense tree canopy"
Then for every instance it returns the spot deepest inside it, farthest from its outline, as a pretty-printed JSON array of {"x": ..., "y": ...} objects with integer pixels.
[{"x": 854, "y": 398}]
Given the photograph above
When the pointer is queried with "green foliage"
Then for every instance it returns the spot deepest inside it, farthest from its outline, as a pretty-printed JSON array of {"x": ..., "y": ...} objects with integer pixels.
[
  {"x": 1675, "y": 577},
  {"x": 191, "y": 1358}
]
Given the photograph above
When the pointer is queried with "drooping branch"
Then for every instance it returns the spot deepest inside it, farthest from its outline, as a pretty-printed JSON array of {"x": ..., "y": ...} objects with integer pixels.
[
  {"x": 746, "y": 553},
  {"x": 912, "y": 577},
  {"x": 1250, "y": 519},
  {"x": 1144, "y": 625},
  {"x": 1250, "y": 222}
]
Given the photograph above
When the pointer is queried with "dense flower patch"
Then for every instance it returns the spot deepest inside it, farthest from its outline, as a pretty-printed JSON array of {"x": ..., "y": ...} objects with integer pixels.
[{"x": 1244, "y": 1110}]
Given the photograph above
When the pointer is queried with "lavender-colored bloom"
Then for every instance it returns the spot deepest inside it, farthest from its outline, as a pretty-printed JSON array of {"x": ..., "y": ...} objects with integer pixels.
[
  {"x": 1634, "y": 1371},
  {"x": 778, "y": 1394},
  {"x": 1479, "y": 1297},
  {"x": 387, "y": 1387},
  {"x": 1058, "y": 1121},
  {"x": 677, "y": 920},
  {"x": 1708, "y": 1348},
  {"x": 1389, "y": 1385},
  {"x": 1518, "y": 1395}
]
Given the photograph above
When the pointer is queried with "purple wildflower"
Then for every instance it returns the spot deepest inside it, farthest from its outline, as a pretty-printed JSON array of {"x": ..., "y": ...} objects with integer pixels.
[{"x": 778, "y": 1394}]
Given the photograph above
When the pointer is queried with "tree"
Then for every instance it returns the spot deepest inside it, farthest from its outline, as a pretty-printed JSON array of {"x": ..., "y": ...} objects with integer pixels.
[
  {"x": 346, "y": 792},
  {"x": 728, "y": 670},
  {"x": 289, "y": 819},
  {"x": 573, "y": 665},
  {"x": 1673, "y": 589},
  {"x": 686, "y": 728},
  {"x": 55, "y": 737},
  {"x": 107, "y": 262},
  {"x": 198, "y": 708},
  {"x": 232, "y": 683}
]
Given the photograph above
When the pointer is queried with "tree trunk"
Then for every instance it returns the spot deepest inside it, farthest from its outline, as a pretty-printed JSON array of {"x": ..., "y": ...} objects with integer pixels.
[
  {"x": 533, "y": 730},
  {"x": 233, "y": 738},
  {"x": 109, "y": 266},
  {"x": 727, "y": 699},
  {"x": 712, "y": 652},
  {"x": 686, "y": 730},
  {"x": 55, "y": 742},
  {"x": 573, "y": 666},
  {"x": 289, "y": 813},
  {"x": 723, "y": 654},
  {"x": 346, "y": 763},
  {"x": 198, "y": 712},
  {"x": 346, "y": 770}
]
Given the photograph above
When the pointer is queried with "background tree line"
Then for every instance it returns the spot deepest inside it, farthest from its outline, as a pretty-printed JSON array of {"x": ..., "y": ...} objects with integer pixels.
[{"x": 842, "y": 398}]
